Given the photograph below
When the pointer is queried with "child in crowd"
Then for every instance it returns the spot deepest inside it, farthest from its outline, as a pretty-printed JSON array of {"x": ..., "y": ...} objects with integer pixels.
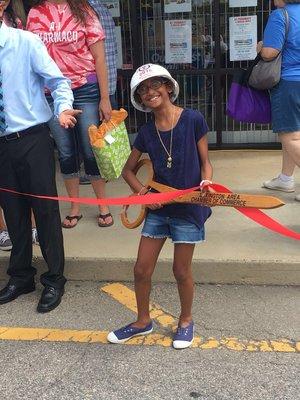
[
  {"x": 176, "y": 141},
  {"x": 74, "y": 39}
]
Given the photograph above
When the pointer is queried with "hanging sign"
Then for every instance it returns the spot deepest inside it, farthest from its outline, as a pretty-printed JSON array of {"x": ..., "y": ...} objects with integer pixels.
[
  {"x": 113, "y": 6},
  {"x": 173, "y": 6},
  {"x": 242, "y": 3},
  {"x": 243, "y": 38},
  {"x": 178, "y": 41}
]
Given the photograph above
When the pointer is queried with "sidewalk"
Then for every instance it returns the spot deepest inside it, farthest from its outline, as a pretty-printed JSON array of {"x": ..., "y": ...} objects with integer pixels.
[{"x": 236, "y": 249}]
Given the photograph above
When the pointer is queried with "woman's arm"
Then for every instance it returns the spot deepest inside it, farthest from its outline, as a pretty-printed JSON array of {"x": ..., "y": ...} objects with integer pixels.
[
  {"x": 206, "y": 167},
  {"x": 98, "y": 52},
  {"x": 268, "y": 53}
]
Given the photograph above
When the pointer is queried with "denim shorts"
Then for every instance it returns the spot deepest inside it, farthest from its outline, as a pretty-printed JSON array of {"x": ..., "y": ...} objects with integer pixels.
[
  {"x": 285, "y": 101},
  {"x": 179, "y": 230}
]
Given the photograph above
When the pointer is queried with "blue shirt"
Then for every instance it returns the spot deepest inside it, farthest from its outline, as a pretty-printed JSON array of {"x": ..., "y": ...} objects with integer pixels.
[
  {"x": 274, "y": 36},
  {"x": 186, "y": 165},
  {"x": 110, "y": 42},
  {"x": 26, "y": 68}
]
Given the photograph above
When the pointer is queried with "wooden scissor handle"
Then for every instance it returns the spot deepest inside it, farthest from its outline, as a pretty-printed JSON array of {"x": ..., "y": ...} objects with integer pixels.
[{"x": 124, "y": 217}]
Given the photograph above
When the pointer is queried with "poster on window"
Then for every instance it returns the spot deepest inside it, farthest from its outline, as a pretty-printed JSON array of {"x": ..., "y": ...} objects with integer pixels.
[
  {"x": 178, "y": 41},
  {"x": 119, "y": 47},
  {"x": 242, "y": 3},
  {"x": 113, "y": 6},
  {"x": 243, "y": 38},
  {"x": 173, "y": 6}
]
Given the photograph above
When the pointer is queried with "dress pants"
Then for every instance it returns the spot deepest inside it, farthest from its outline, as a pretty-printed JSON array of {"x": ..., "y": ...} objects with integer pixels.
[{"x": 27, "y": 165}]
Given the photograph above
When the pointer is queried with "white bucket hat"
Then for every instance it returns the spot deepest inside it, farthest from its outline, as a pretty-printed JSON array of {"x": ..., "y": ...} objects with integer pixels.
[{"x": 150, "y": 71}]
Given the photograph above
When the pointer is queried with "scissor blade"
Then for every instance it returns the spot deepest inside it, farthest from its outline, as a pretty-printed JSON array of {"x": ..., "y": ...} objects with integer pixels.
[
  {"x": 231, "y": 200},
  {"x": 209, "y": 199}
]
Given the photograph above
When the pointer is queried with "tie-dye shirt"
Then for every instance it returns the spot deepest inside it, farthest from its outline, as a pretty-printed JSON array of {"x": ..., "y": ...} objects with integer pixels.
[{"x": 67, "y": 39}]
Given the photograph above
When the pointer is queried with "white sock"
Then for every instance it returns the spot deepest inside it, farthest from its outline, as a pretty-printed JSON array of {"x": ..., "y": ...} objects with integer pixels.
[{"x": 286, "y": 178}]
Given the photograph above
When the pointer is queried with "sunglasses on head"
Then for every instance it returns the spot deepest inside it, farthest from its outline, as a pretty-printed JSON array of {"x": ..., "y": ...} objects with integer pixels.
[{"x": 153, "y": 84}]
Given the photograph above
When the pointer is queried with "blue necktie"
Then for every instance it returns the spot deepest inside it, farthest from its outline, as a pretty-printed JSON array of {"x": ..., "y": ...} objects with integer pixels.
[{"x": 3, "y": 125}]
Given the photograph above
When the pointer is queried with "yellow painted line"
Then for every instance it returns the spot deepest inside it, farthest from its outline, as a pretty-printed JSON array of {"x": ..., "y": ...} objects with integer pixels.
[
  {"x": 126, "y": 297},
  {"x": 154, "y": 339}
]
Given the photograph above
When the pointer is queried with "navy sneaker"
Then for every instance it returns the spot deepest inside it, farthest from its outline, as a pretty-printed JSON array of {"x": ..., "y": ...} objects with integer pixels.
[
  {"x": 184, "y": 337},
  {"x": 127, "y": 332}
]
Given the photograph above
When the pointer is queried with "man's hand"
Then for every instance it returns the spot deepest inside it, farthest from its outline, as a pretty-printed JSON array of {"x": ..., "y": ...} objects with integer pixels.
[
  {"x": 67, "y": 118},
  {"x": 105, "y": 110}
]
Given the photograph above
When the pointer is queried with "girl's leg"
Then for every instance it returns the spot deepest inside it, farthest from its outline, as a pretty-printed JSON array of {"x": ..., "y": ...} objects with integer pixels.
[
  {"x": 99, "y": 189},
  {"x": 87, "y": 99},
  {"x": 68, "y": 157},
  {"x": 182, "y": 269},
  {"x": 148, "y": 253},
  {"x": 72, "y": 187}
]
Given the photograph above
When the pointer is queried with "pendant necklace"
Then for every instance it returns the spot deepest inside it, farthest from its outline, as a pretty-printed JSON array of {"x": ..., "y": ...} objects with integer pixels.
[{"x": 169, "y": 153}]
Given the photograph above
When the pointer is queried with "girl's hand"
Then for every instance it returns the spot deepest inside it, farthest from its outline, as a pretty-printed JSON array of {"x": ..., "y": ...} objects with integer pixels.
[
  {"x": 204, "y": 186},
  {"x": 105, "y": 110},
  {"x": 154, "y": 206}
]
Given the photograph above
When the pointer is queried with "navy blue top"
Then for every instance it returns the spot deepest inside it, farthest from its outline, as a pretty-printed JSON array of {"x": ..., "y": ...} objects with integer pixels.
[
  {"x": 274, "y": 36},
  {"x": 186, "y": 166}
]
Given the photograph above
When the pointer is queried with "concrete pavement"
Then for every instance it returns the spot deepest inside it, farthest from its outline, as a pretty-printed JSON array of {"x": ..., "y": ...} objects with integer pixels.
[
  {"x": 259, "y": 359},
  {"x": 236, "y": 249}
]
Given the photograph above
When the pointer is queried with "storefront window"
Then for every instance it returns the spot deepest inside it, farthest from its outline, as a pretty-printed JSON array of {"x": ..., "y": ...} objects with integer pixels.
[{"x": 181, "y": 35}]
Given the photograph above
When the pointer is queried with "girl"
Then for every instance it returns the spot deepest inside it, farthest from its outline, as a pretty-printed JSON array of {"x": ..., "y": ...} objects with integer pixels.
[
  {"x": 176, "y": 141},
  {"x": 75, "y": 40},
  {"x": 14, "y": 14}
]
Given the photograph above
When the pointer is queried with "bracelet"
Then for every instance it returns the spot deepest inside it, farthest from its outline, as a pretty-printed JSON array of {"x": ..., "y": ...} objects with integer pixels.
[
  {"x": 205, "y": 181},
  {"x": 140, "y": 192}
]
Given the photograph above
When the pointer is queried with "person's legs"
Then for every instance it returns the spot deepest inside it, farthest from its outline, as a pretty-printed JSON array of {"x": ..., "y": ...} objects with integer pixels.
[
  {"x": 39, "y": 178},
  {"x": 5, "y": 242},
  {"x": 288, "y": 164},
  {"x": 182, "y": 269},
  {"x": 285, "y": 180},
  {"x": 148, "y": 253},
  {"x": 87, "y": 99},
  {"x": 68, "y": 157},
  {"x": 291, "y": 142},
  {"x": 17, "y": 214},
  {"x": 2, "y": 222}
]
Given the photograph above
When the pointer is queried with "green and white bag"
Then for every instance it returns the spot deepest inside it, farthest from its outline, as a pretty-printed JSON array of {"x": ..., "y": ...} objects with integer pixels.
[{"x": 111, "y": 145}]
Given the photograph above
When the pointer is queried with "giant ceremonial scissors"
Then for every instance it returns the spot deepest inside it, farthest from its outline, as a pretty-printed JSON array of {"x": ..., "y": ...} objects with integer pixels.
[{"x": 203, "y": 198}]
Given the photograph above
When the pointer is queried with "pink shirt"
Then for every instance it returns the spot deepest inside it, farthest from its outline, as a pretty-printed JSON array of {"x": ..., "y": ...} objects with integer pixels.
[{"x": 67, "y": 40}]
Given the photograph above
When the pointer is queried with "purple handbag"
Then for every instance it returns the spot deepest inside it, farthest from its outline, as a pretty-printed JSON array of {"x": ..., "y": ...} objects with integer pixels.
[{"x": 246, "y": 104}]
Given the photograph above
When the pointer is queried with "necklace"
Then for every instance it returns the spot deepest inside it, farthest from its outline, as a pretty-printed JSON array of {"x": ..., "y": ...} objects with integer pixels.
[{"x": 169, "y": 153}]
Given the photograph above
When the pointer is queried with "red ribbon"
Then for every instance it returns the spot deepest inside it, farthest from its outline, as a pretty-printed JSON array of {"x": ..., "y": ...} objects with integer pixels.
[
  {"x": 260, "y": 217},
  {"x": 253, "y": 213}
]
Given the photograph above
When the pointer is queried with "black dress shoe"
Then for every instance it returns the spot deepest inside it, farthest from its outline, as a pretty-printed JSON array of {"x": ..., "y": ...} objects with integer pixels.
[
  {"x": 11, "y": 292},
  {"x": 50, "y": 299}
]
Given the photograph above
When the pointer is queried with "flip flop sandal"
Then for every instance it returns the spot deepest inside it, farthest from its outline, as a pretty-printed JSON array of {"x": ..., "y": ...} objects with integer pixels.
[
  {"x": 71, "y": 218},
  {"x": 103, "y": 216}
]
